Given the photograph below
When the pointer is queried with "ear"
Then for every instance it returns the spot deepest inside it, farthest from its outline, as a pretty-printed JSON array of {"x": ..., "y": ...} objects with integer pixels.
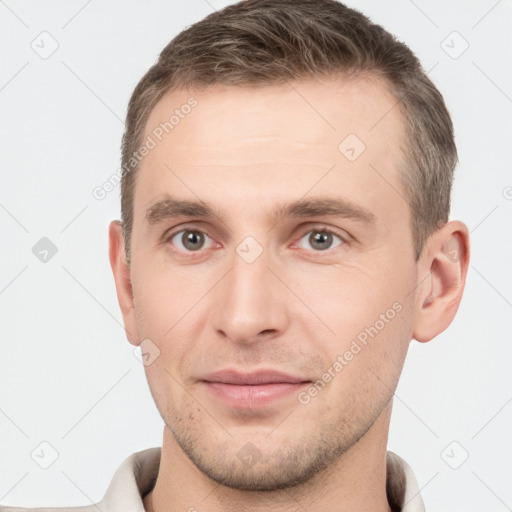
[
  {"x": 442, "y": 270},
  {"x": 122, "y": 277}
]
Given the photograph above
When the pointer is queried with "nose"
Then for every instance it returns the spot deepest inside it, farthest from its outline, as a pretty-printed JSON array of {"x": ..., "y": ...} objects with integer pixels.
[{"x": 250, "y": 302}]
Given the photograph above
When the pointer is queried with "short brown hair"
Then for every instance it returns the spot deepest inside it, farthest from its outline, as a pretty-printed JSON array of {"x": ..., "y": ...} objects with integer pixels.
[{"x": 267, "y": 42}]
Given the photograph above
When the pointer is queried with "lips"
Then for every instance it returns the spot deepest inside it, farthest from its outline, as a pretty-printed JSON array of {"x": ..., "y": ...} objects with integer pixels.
[
  {"x": 252, "y": 390},
  {"x": 260, "y": 377}
]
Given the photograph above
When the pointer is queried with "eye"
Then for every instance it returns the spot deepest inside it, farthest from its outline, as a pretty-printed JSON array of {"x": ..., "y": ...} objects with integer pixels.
[
  {"x": 320, "y": 240},
  {"x": 190, "y": 240}
]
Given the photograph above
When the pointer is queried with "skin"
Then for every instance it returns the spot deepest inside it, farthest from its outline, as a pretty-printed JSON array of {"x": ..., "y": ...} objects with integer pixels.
[{"x": 295, "y": 308}]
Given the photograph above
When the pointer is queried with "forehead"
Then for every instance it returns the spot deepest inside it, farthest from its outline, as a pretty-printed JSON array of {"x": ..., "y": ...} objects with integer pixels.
[
  {"x": 310, "y": 111},
  {"x": 278, "y": 139}
]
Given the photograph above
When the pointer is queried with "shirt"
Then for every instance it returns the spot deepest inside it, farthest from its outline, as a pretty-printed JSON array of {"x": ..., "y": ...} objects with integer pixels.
[{"x": 137, "y": 475}]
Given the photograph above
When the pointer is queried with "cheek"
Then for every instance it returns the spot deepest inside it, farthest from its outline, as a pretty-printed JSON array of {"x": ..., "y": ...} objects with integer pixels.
[
  {"x": 164, "y": 297},
  {"x": 171, "y": 314},
  {"x": 363, "y": 368},
  {"x": 370, "y": 316},
  {"x": 349, "y": 299}
]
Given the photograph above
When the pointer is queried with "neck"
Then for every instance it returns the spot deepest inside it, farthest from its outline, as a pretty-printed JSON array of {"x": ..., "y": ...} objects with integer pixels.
[{"x": 357, "y": 481}]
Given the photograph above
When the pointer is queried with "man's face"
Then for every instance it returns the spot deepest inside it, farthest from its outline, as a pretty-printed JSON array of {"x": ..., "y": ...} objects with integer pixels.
[{"x": 252, "y": 307}]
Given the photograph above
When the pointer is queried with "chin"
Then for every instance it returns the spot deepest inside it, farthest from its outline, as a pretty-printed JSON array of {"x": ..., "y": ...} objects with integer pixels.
[{"x": 266, "y": 464}]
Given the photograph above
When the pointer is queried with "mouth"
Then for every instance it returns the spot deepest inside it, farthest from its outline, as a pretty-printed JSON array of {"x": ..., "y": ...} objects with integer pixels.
[{"x": 252, "y": 390}]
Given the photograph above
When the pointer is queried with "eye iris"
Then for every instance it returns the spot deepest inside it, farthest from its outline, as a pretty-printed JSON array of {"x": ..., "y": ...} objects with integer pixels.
[
  {"x": 192, "y": 240},
  {"x": 320, "y": 240}
]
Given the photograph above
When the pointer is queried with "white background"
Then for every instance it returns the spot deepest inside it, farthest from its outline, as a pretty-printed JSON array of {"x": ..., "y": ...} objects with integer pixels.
[{"x": 67, "y": 374}]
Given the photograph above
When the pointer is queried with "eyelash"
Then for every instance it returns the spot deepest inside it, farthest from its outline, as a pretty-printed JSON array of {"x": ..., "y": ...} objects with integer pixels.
[{"x": 318, "y": 229}]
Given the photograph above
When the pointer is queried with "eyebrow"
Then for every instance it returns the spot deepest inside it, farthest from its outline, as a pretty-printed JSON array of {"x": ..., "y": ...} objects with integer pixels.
[{"x": 170, "y": 207}]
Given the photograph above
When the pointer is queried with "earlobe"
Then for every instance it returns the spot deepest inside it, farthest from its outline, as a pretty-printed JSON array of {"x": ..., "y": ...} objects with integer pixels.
[
  {"x": 445, "y": 263},
  {"x": 122, "y": 278}
]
